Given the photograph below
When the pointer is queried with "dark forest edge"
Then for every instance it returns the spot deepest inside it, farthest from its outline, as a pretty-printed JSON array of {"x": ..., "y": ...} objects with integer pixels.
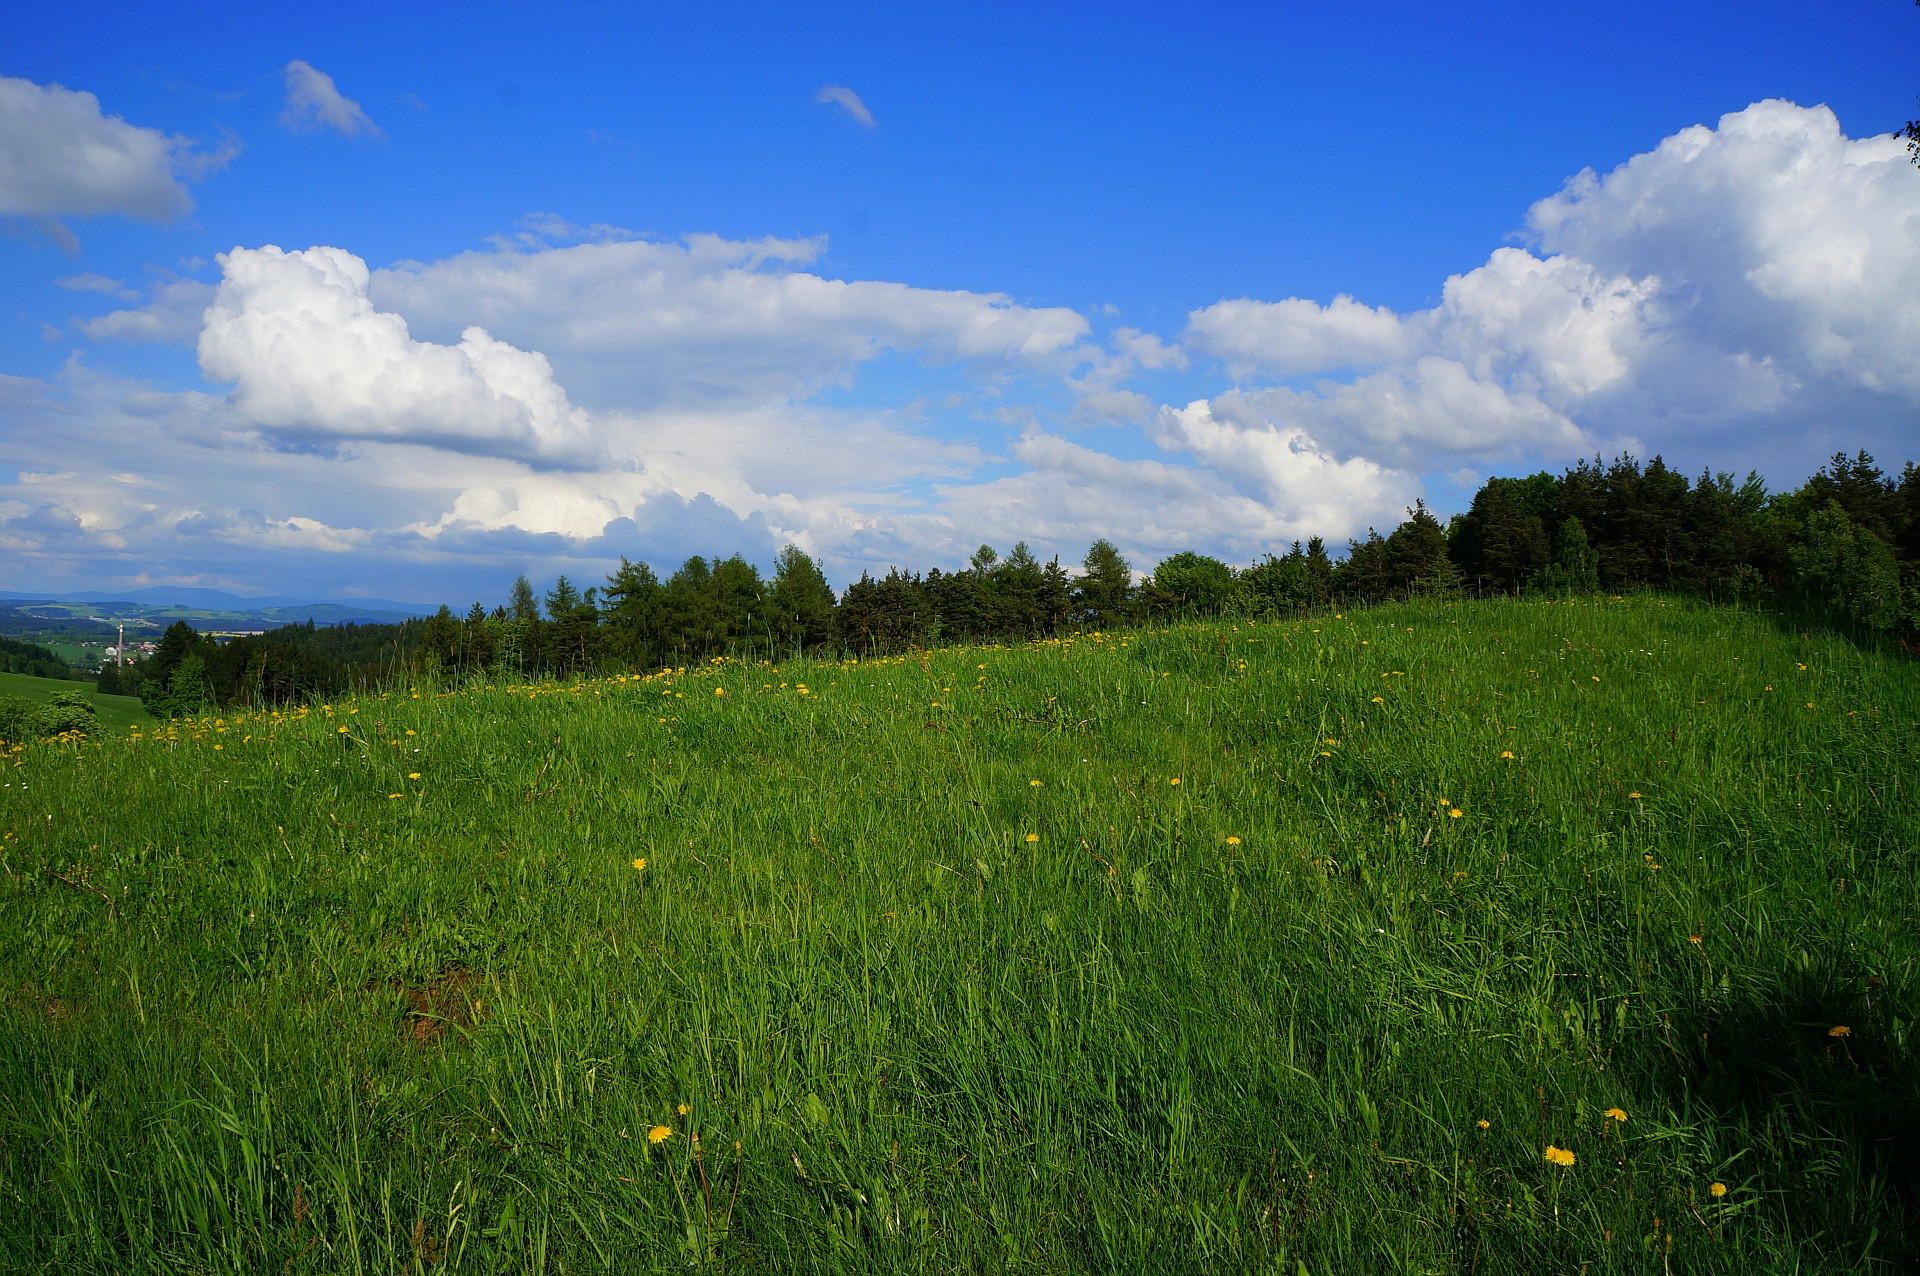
[{"x": 1843, "y": 548}]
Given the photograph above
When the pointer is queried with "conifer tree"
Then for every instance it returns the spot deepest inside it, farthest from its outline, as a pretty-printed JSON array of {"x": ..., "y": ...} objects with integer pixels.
[
  {"x": 800, "y": 602},
  {"x": 631, "y": 610},
  {"x": 1103, "y": 596}
]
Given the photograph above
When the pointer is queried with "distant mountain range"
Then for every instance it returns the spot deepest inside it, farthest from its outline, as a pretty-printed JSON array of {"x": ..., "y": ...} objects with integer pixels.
[{"x": 188, "y": 601}]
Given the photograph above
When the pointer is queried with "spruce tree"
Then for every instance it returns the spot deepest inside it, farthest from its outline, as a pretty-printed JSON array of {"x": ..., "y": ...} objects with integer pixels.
[
  {"x": 1103, "y": 596},
  {"x": 632, "y": 610},
  {"x": 800, "y": 602}
]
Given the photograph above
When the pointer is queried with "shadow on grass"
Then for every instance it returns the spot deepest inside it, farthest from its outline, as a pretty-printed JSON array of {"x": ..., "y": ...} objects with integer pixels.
[
  {"x": 1816, "y": 1084},
  {"x": 1804, "y": 620}
]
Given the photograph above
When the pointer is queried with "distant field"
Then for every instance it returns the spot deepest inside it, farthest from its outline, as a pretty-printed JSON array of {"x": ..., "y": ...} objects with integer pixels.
[
  {"x": 1492, "y": 937},
  {"x": 117, "y": 713},
  {"x": 72, "y": 652}
]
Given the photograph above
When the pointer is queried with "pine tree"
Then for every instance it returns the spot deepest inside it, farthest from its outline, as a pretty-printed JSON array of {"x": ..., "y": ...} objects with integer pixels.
[
  {"x": 800, "y": 602},
  {"x": 176, "y": 644},
  {"x": 1103, "y": 596},
  {"x": 439, "y": 642},
  {"x": 476, "y": 641},
  {"x": 690, "y": 615},
  {"x": 1498, "y": 543},
  {"x": 521, "y": 603},
  {"x": 1319, "y": 573},
  {"x": 1365, "y": 575},
  {"x": 1416, "y": 555},
  {"x": 573, "y": 628},
  {"x": 632, "y": 611},
  {"x": 1020, "y": 588}
]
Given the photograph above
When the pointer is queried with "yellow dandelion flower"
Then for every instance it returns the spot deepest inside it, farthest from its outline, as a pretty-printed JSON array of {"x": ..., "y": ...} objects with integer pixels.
[
  {"x": 719, "y": 691},
  {"x": 1033, "y": 783},
  {"x": 1559, "y": 1156},
  {"x": 1174, "y": 780},
  {"x": 1633, "y": 795},
  {"x": 413, "y": 775},
  {"x": 1616, "y": 1114},
  {"x": 392, "y": 796},
  {"x": 1484, "y": 1124},
  {"x": 1379, "y": 700},
  {"x": 343, "y": 730},
  {"x": 659, "y": 1134},
  {"x": 1718, "y": 1190},
  {"x": 1033, "y": 837},
  {"x": 1506, "y": 753},
  {"x": 683, "y": 1109},
  {"x": 1455, "y": 813},
  {"x": 1232, "y": 840},
  {"x": 1695, "y": 940},
  {"x": 1839, "y": 1030},
  {"x": 219, "y": 746},
  {"x": 640, "y": 866}
]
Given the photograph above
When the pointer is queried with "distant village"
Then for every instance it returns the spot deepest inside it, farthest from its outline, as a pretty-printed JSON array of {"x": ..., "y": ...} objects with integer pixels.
[{"x": 140, "y": 651}]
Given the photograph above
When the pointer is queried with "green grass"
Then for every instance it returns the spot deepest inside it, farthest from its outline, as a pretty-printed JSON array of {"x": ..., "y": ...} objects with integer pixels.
[
  {"x": 271, "y": 1004},
  {"x": 117, "y": 713},
  {"x": 72, "y": 652}
]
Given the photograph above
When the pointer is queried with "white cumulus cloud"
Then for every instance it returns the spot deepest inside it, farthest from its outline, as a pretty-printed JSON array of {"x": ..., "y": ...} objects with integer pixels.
[
  {"x": 1756, "y": 282},
  {"x": 1742, "y": 294},
  {"x": 1296, "y": 335},
  {"x": 312, "y": 359},
  {"x": 1773, "y": 236}
]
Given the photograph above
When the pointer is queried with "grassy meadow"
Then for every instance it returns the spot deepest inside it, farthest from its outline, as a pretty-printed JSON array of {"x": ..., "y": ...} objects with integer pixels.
[
  {"x": 1223, "y": 948},
  {"x": 117, "y": 713}
]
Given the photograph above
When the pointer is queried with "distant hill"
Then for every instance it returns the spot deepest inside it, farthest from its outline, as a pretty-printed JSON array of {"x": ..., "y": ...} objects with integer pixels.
[
  {"x": 189, "y": 602},
  {"x": 217, "y": 600},
  {"x": 117, "y": 713}
]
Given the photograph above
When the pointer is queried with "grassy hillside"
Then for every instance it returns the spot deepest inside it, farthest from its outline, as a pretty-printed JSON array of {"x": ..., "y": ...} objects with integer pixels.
[
  {"x": 117, "y": 713},
  {"x": 1232, "y": 947}
]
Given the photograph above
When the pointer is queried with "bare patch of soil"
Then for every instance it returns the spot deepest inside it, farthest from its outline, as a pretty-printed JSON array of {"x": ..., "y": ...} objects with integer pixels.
[{"x": 449, "y": 1000}]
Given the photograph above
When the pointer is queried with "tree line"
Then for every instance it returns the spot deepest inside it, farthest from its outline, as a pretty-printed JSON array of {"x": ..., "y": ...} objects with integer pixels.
[
  {"x": 1845, "y": 544},
  {"x": 32, "y": 659}
]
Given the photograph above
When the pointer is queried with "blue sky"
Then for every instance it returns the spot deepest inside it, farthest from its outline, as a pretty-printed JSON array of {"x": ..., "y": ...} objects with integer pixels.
[{"x": 1043, "y": 216}]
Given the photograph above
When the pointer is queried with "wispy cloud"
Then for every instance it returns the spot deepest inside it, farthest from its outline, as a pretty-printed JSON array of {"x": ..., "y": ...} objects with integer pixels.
[
  {"x": 314, "y": 102},
  {"x": 847, "y": 100},
  {"x": 91, "y": 282}
]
